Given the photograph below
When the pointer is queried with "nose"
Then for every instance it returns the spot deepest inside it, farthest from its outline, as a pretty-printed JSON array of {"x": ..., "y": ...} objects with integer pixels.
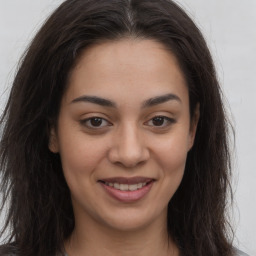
[{"x": 128, "y": 147}]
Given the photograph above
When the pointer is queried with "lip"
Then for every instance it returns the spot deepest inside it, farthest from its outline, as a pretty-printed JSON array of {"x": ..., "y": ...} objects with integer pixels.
[
  {"x": 127, "y": 196},
  {"x": 127, "y": 180}
]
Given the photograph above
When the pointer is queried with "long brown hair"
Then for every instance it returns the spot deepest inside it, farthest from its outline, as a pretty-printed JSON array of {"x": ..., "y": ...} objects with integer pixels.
[{"x": 40, "y": 215}]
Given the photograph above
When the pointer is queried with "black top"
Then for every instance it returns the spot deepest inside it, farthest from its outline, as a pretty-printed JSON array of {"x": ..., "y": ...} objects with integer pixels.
[{"x": 10, "y": 251}]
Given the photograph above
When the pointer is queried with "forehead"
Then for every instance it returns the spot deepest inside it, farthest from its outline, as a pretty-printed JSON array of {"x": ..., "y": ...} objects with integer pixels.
[{"x": 126, "y": 67}]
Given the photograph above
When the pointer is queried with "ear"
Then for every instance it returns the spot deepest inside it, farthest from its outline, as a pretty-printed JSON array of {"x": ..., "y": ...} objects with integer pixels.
[
  {"x": 193, "y": 125},
  {"x": 53, "y": 141}
]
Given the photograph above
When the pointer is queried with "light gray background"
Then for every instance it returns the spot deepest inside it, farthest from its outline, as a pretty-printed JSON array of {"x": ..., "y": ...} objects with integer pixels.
[{"x": 230, "y": 29}]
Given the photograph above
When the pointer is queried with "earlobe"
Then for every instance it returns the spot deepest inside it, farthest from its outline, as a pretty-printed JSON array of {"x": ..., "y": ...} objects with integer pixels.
[
  {"x": 193, "y": 126},
  {"x": 53, "y": 141}
]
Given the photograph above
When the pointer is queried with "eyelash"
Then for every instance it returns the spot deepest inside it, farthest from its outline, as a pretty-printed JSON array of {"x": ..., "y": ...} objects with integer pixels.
[
  {"x": 86, "y": 122},
  {"x": 167, "y": 121}
]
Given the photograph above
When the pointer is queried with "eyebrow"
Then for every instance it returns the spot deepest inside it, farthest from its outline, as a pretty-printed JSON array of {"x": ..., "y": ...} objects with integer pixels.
[
  {"x": 160, "y": 99},
  {"x": 96, "y": 100},
  {"x": 108, "y": 103}
]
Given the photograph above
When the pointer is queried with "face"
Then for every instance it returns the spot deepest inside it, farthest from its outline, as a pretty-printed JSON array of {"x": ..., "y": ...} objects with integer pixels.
[{"x": 123, "y": 133}]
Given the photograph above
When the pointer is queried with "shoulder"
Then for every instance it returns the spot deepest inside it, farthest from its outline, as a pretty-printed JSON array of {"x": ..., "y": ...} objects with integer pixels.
[
  {"x": 8, "y": 250},
  {"x": 240, "y": 253}
]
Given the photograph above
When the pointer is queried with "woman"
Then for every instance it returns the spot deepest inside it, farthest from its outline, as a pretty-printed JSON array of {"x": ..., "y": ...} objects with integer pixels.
[{"x": 115, "y": 137}]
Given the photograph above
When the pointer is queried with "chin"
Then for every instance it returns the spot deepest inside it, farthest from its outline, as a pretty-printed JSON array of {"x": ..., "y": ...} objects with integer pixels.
[{"x": 130, "y": 220}]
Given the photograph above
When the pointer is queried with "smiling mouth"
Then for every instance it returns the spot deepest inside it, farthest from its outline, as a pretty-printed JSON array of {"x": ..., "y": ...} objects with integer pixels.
[
  {"x": 127, "y": 187},
  {"x": 127, "y": 190}
]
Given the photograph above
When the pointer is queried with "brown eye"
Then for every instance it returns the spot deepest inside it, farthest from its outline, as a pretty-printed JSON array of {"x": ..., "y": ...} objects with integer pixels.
[
  {"x": 95, "y": 123},
  {"x": 160, "y": 121}
]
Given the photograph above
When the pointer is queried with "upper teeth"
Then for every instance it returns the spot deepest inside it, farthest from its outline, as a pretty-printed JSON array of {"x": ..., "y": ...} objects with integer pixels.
[{"x": 126, "y": 187}]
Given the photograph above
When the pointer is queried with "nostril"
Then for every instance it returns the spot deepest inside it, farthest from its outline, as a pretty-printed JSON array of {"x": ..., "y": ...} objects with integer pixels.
[{"x": 128, "y": 151}]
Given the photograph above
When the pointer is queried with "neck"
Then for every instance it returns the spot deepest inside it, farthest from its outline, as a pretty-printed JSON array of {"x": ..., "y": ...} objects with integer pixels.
[{"x": 90, "y": 238}]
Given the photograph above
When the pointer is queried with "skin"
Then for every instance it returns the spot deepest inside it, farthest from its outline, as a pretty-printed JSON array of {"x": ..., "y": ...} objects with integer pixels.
[{"x": 127, "y": 143}]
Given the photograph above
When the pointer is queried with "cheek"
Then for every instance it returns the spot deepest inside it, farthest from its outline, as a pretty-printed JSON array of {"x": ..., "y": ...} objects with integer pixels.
[
  {"x": 79, "y": 163},
  {"x": 170, "y": 157},
  {"x": 172, "y": 161},
  {"x": 80, "y": 155},
  {"x": 171, "y": 152}
]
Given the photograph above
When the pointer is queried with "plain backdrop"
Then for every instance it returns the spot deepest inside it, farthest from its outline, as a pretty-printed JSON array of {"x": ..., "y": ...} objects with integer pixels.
[{"x": 230, "y": 29}]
